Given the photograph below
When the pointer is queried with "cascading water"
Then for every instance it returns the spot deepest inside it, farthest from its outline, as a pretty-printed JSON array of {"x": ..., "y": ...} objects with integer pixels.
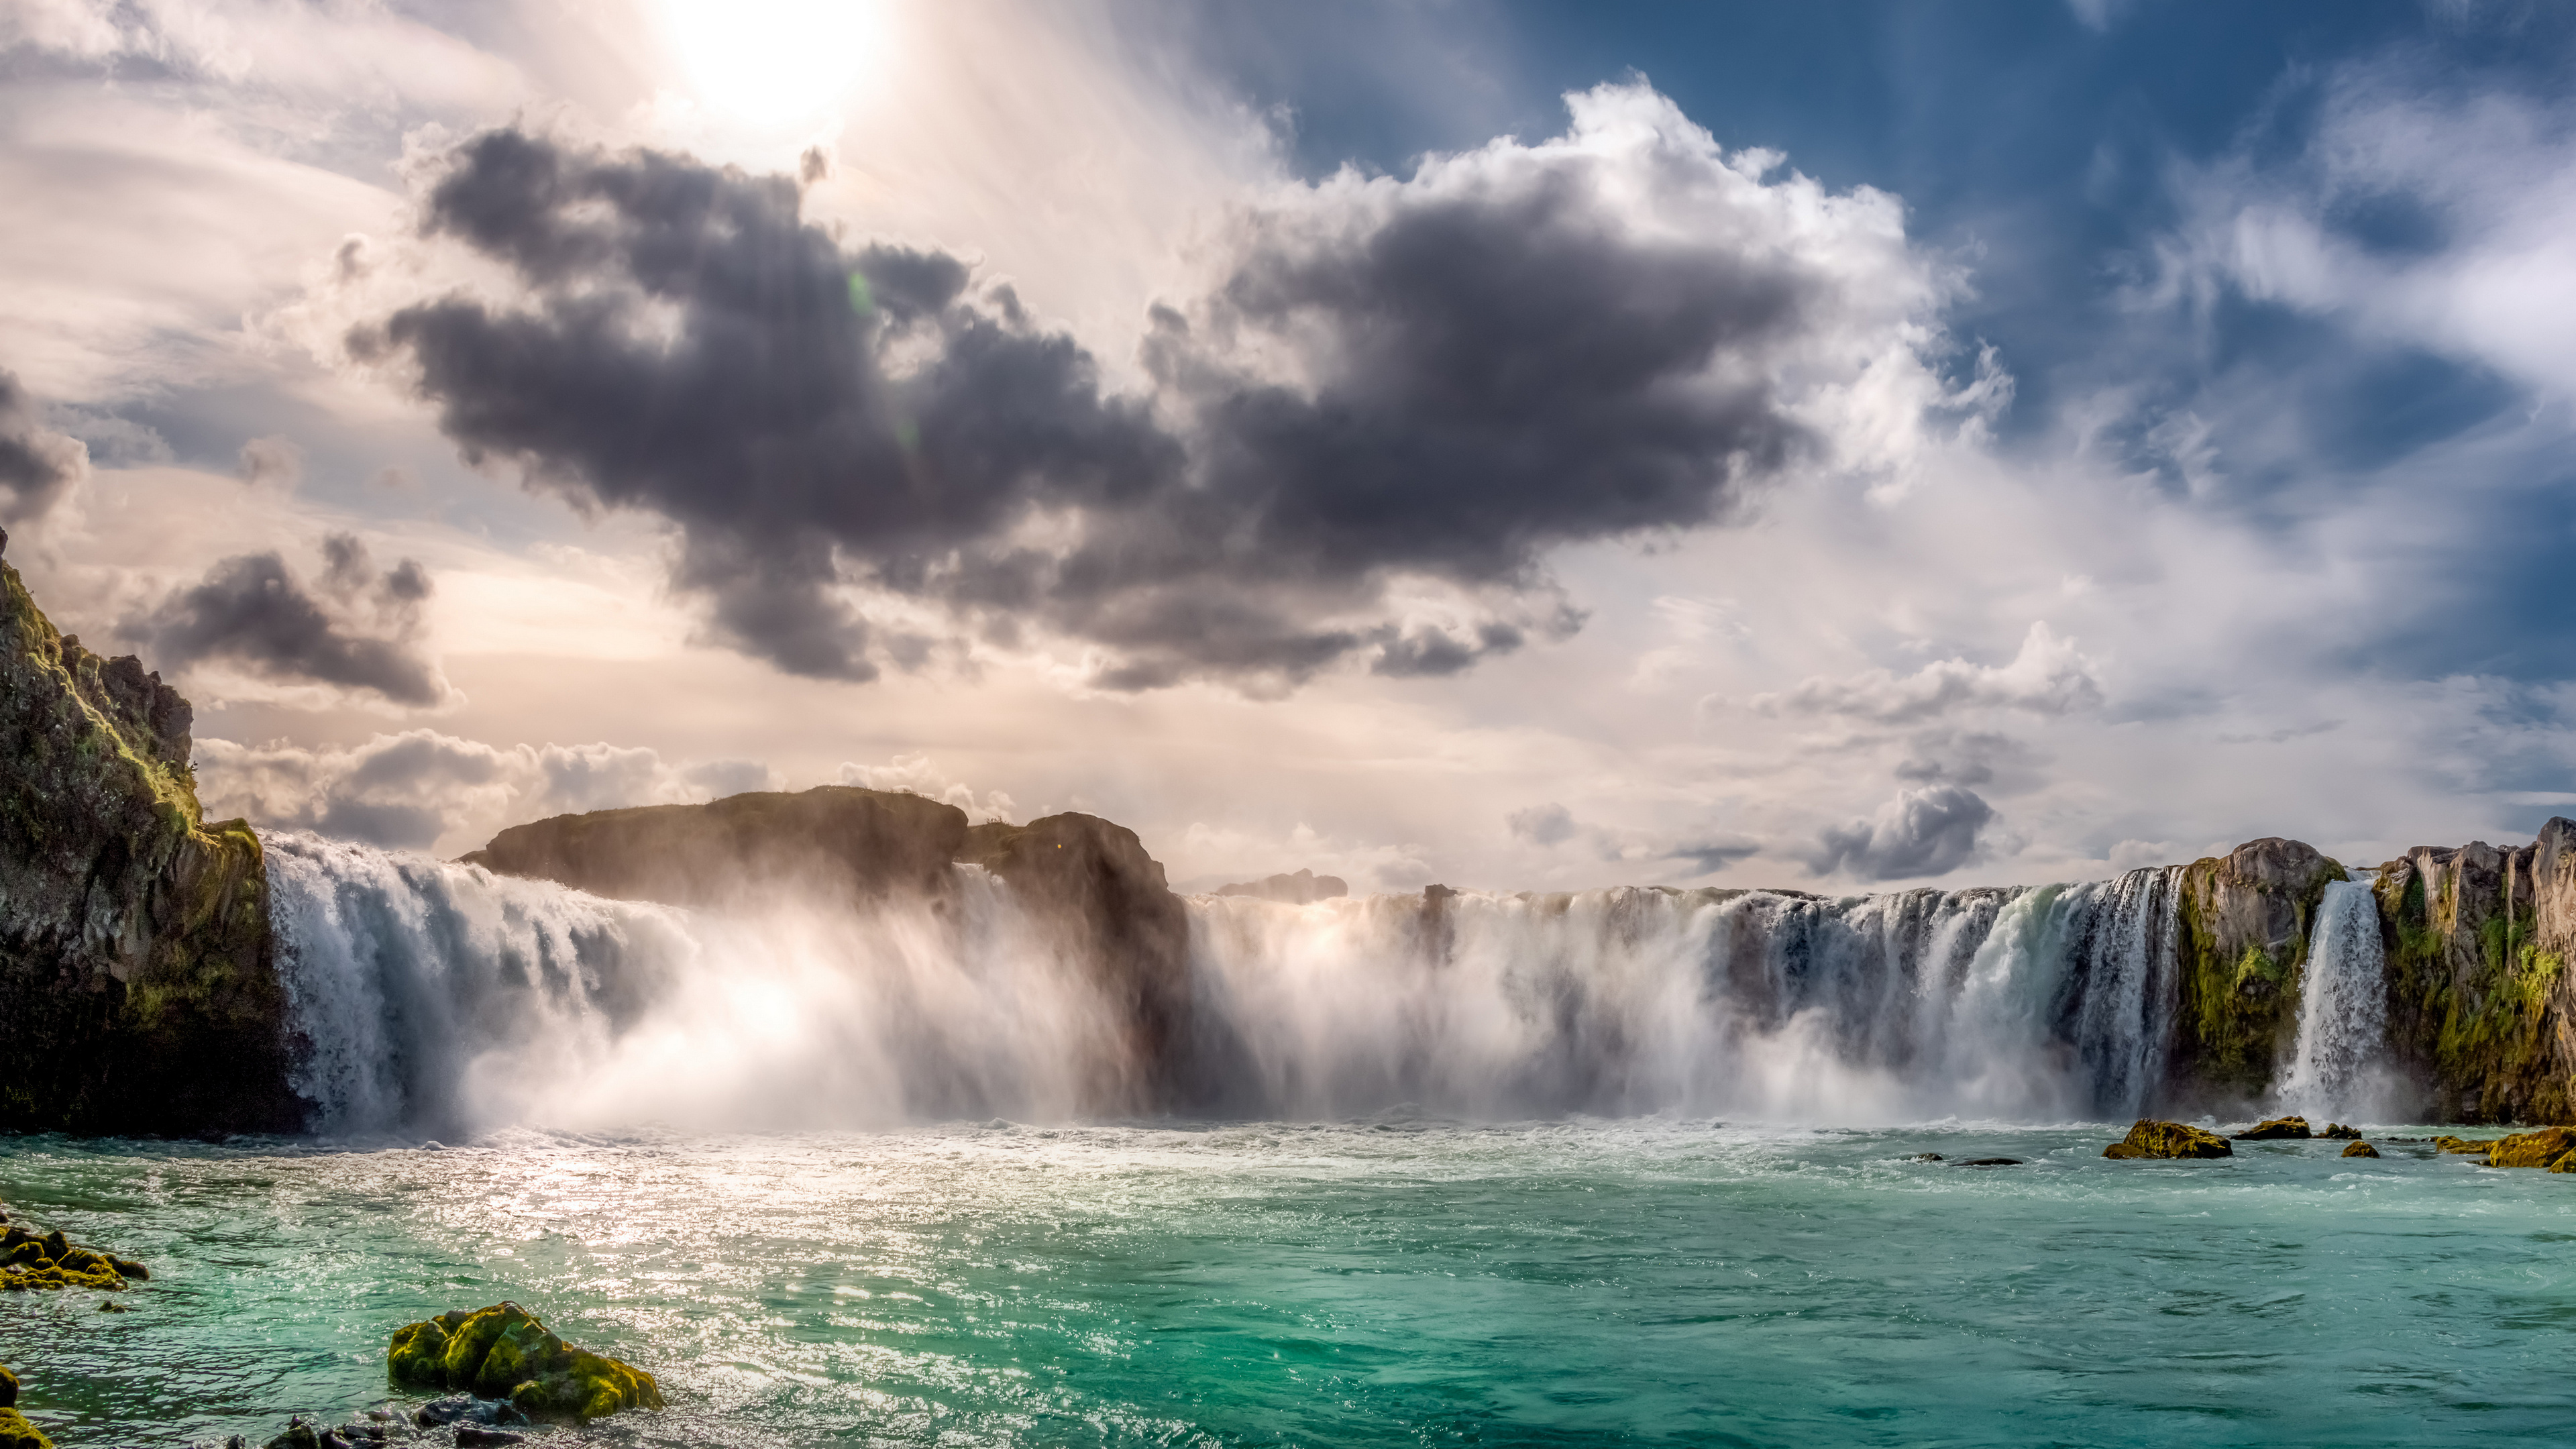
[
  {"x": 2335, "y": 1070},
  {"x": 437, "y": 997}
]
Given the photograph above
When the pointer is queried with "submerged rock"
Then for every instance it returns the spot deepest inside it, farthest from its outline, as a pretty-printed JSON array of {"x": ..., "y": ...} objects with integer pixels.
[
  {"x": 2532, "y": 1149},
  {"x": 2169, "y": 1140},
  {"x": 1925, "y": 1157},
  {"x": 2360, "y": 1149},
  {"x": 2278, "y": 1128},
  {"x": 2465, "y": 1146},
  {"x": 503, "y": 1352},
  {"x": 1989, "y": 1162}
]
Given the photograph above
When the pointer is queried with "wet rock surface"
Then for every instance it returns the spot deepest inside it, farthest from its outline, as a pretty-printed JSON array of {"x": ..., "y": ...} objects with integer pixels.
[
  {"x": 2277, "y": 1129},
  {"x": 2532, "y": 1149},
  {"x": 504, "y": 1352},
  {"x": 2360, "y": 1149},
  {"x": 2153, "y": 1139},
  {"x": 31, "y": 1259},
  {"x": 135, "y": 951}
]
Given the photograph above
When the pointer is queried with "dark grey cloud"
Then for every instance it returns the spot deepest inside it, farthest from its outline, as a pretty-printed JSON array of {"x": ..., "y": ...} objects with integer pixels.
[
  {"x": 38, "y": 467},
  {"x": 1436, "y": 380},
  {"x": 358, "y": 630},
  {"x": 1919, "y": 833}
]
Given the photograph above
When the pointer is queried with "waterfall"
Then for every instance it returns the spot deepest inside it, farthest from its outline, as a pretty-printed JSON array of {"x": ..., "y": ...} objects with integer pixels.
[
  {"x": 435, "y": 997},
  {"x": 2335, "y": 1070}
]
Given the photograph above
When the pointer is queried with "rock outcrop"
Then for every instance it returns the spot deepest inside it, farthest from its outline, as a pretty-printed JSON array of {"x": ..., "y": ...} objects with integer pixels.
[
  {"x": 2360, "y": 1149},
  {"x": 2242, "y": 940},
  {"x": 2480, "y": 1003},
  {"x": 1118, "y": 918},
  {"x": 2533, "y": 1149},
  {"x": 1104, "y": 899},
  {"x": 135, "y": 954},
  {"x": 1303, "y": 888},
  {"x": 2149, "y": 1138},
  {"x": 2278, "y": 1128},
  {"x": 503, "y": 1352},
  {"x": 836, "y": 842}
]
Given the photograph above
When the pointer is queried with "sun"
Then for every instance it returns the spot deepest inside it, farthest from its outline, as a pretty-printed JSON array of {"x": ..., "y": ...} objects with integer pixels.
[{"x": 775, "y": 62}]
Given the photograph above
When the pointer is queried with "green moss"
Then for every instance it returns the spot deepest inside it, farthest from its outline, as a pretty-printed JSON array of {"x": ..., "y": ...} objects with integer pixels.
[{"x": 503, "y": 1352}]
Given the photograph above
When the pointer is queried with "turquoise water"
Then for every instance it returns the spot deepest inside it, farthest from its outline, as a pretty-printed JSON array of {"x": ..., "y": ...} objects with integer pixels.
[{"x": 1392, "y": 1282}]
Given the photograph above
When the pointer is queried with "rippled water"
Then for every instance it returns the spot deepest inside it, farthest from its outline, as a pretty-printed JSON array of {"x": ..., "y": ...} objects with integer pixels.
[{"x": 1397, "y": 1282}]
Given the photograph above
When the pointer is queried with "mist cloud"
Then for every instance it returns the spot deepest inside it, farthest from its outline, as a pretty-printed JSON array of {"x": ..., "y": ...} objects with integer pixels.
[
  {"x": 358, "y": 630},
  {"x": 1393, "y": 398}
]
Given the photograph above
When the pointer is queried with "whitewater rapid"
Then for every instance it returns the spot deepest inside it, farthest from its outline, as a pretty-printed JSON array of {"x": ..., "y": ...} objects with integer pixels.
[{"x": 432, "y": 997}]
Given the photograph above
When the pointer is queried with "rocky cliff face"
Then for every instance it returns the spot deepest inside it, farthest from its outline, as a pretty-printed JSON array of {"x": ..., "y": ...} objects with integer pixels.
[
  {"x": 135, "y": 954},
  {"x": 2243, "y": 939},
  {"x": 834, "y": 842},
  {"x": 1103, "y": 897},
  {"x": 2479, "y": 1000}
]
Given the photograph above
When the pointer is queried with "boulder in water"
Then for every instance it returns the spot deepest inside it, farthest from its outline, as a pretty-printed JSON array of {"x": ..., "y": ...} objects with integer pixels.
[
  {"x": 2469, "y": 1147},
  {"x": 2276, "y": 1129},
  {"x": 2360, "y": 1149},
  {"x": 2151, "y": 1138},
  {"x": 32, "y": 1261},
  {"x": 1988, "y": 1162},
  {"x": 17, "y": 1433},
  {"x": 2533, "y": 1149},
  {"x": 8, "y": 1389},
  {"x": 503, "y": 1352}
]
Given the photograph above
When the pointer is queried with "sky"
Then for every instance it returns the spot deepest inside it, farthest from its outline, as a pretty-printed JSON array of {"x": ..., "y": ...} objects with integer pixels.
[{"x": 1510, "y": 445}]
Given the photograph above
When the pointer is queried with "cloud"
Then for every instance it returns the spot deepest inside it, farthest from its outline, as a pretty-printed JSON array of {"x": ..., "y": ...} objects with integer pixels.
[
  {"x": 915, "y": 774},
  {"x": 1542, "y": 824},
  {"x": 271, "y": 463},
  {"x": 1924, "y": 832},
  {"x": 38, "y": 467},
  {"x": 1361, "y": 440},
  {"x": 357, "y": 631},
  {"x": 1715, "y": 853},
  {"x": 2048, "y": 677},
  {"x": 410, "y": 791}
]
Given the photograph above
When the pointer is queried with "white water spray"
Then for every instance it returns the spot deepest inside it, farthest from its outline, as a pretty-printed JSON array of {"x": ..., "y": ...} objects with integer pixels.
[
  {"x": 2335, "y": 1070},
  {"x": 438, "y": 997}
]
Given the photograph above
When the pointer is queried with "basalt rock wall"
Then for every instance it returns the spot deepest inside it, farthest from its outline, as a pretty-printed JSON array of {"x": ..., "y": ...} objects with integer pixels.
[
  {"x": 2480, "y": 1004},
  {"x": 1103, "y": 899},
  {"x": 2246, "y": 919},
  {"x": 834, "y": 841},
  {"x": 137, "y": 986}
]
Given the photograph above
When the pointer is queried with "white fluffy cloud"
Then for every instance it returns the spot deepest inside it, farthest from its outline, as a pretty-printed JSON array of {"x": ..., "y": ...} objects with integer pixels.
[{"x": 2048, "y": 677}]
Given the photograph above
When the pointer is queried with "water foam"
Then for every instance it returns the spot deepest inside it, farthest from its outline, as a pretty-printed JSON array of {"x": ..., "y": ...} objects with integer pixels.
[{"x": 438, "y": 997}]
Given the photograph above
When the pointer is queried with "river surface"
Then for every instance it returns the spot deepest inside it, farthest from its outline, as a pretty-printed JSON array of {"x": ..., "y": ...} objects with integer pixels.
[{"x": 1395, "y": 1281}]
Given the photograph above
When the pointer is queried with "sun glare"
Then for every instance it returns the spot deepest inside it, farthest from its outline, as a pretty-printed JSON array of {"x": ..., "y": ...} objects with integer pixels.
[{"x": 774, "y": 62}]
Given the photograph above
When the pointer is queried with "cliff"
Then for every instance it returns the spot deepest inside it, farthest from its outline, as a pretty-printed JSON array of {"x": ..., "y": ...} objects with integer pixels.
[
  {"x": 1103, "y": 898},
  {"x": 2241, "y": 942},
  {"x": 834, "y": 840},
  {"x": 135, "y": 953},
  {"x": 2479, "y": 1000}
]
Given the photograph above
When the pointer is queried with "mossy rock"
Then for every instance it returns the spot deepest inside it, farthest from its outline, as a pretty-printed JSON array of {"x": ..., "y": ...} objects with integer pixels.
[
  {"x": 8, "y": 1389},
  {"x": 2337, "y": 1132},
  {"x": 2360, "y": 1149},
  {"x": 2465, "y": 1146},
  {"x": 2151, "y": 1138},
  {"x": 17, "y": 1433},
  {"x": 503, "y": 1352},
  {"x": 2533, "y": 1149},
  {"x": 2564, "y": 1164},
  {"x": 2276, "y": 1129}
]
